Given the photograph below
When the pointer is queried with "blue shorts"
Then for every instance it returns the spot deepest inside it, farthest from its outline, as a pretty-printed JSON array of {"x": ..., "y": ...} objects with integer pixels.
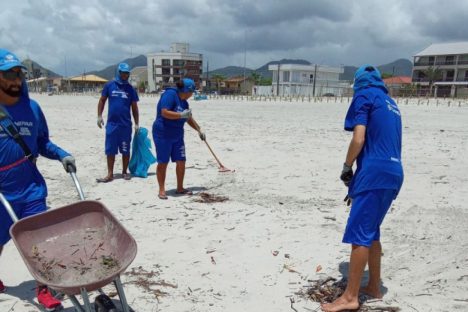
[
  {"x": 118, "y": 139},
  {"x": 22, "y": 210},
  {"x": 169, "y": 148},
  {"x": 367, "y": 213}
]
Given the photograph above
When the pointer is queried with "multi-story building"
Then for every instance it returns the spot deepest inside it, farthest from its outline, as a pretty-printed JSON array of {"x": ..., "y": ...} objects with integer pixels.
[
  {"x": 442, "y": 70},
  {"x": 308, "y": 80},
  {"x": 166, "y": 68}
]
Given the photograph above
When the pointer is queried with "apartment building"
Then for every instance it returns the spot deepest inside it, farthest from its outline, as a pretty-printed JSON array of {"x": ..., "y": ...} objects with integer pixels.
[
  {"x": 166, "y": 68},
  {"x": 442, "y": 70}
]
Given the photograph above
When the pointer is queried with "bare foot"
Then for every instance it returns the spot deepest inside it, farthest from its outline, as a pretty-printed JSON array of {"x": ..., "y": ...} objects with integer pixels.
[
  {"x": 340, "y": 304},
  {"x": 372, "y": 292}
]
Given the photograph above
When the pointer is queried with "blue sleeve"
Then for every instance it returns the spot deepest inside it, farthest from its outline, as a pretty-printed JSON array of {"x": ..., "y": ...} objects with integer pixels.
[
  {"x": 105, "y": 90},
  {"x": 45, "y": 147},
  {"x": 135, "y": 97},
  {"x": 358, "y": 113},
  {"x": 168, "y": 101}
]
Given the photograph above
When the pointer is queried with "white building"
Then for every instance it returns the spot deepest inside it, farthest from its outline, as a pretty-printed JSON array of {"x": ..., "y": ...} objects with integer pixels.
[
  {"x": 307, "y": 80},
  {"x": 166, "y": 68},
  {"x": 442, "y": 69}
]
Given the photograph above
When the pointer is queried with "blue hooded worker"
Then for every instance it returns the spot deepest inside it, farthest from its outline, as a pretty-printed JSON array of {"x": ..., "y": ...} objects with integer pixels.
[
  {"x": 24, "y": 136},
  {"x": 172, "y": 112},
  {"x": 375, "y": 120},
  {"x": 122, "y": 98}
]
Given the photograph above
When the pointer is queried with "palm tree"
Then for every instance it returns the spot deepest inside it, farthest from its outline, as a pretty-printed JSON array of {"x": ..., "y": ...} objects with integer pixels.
[
  {"x": 256, "y": 77},
  {"x": 432, "y": 74},
  {"x": 218, "y": 78}
]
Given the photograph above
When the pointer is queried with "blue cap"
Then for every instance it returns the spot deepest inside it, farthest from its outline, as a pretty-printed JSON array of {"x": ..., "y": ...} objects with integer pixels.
[
  {"x": 8, "y": 60},
  {"x": 123, "y": 67},
  {"x": 189, "y": 85}
]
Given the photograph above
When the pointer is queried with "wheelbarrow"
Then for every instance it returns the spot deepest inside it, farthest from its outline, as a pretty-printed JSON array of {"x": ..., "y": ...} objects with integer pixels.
[{"x": 75, "y": 249}]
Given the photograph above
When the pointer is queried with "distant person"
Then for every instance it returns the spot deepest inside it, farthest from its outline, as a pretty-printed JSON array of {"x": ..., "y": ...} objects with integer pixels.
[
  {"x": 168, "y": 133},
  {"x": 24, "y": 136},
  {"x": 122, "y": 98},
  {"x": 375, "y": 121}
]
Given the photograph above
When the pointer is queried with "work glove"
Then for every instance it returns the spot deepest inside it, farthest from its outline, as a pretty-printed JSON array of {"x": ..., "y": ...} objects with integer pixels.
[
  {"x": 68, "y": 163},
  {"x": 202, "y": 135},
  {"x": 186, "y": 114},
  {"x": 136, "y": 128},
  {"x": 346, "y": 174},
  {"x": 100, "y": 121}
]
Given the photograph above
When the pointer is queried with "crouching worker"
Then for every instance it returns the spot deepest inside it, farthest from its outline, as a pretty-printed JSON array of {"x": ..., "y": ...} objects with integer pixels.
[{"x": 23, "y": 137}]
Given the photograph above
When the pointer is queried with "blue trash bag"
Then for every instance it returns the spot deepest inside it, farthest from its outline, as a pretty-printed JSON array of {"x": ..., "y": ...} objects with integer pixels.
[{"x": 142, "y": 157}]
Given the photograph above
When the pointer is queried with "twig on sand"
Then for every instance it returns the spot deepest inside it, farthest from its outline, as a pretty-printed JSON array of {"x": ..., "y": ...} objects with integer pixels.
[
  {"x": 12, "y": 307},
  {"x": 291, "y": 299}
]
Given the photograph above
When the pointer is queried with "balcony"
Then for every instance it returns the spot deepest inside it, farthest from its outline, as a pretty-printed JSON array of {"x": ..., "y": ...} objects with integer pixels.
[
  {"x": 451, "y": 62},
  {"x": 424, "y": 64},
  {"x": 462, "y": 79},
  {"x": 462, "y": 62}
]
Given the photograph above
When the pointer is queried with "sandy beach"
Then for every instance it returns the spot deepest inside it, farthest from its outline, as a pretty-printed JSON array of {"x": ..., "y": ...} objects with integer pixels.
[{"x": 283, "y": 221}]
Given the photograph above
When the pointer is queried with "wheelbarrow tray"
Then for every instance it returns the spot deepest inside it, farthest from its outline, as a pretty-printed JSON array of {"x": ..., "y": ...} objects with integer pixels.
[{"x": 75, "y": 247}]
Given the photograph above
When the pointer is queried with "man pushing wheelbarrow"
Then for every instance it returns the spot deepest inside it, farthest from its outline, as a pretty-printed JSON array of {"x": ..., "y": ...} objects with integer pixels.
[{"x": 24, "y": 136}]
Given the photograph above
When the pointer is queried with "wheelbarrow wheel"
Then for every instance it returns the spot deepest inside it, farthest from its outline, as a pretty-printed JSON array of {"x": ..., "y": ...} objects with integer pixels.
[{"x": 103, "y": 303}]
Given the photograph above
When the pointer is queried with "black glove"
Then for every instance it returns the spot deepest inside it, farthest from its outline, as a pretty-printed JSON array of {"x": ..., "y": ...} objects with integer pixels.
[
  {"x": 347, "y": 200},
  {"x": 346, "y": 174}
]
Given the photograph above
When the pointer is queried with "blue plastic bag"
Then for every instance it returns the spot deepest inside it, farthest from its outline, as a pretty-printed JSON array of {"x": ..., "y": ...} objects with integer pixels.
[{"x": 142, "y": 157}]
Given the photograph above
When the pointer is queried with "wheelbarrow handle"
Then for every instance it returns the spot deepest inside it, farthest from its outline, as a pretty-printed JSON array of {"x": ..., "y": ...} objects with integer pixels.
[
  {"x": 8, "y": 208},
  {"x": 77, "y": 185}
]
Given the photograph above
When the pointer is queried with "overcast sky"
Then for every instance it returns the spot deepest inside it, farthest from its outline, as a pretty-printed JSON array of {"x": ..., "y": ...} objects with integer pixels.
[{"x": 91, "y": 35}]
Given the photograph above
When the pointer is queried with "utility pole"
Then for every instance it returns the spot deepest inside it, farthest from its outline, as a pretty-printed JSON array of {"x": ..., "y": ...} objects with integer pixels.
[
  {"x": 315, "y": 78},
  {"x": 208, "y": 87},
  {"x": 245, "y": 57},
  {"x": 277, "y": 80}
]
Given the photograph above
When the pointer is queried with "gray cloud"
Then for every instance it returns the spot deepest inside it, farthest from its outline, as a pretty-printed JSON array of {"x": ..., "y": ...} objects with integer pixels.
[{"x": 92, "y": 34}]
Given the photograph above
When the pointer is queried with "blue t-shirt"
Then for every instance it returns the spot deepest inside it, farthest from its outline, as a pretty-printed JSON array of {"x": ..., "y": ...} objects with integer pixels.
[
  {"x": 168, "y": 128},
  {"x": 121, "y": 96},
  {"x": 23, "y": 182},
  {"x": 379, "y": 164}
]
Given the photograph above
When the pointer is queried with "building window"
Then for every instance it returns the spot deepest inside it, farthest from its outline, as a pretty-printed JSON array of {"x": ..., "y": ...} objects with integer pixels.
[
  {"x": 286, "y": 76},
  {"x": 166, "y": 62},
  {"x": 449, "y": 76},
  {"x": 166, "y": 71},
  {"x": 178, "y": 62}
]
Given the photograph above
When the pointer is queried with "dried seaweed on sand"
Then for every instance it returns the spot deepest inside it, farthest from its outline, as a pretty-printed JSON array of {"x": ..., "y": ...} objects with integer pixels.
[
  {"x": 210, "y": 198},
  {"x": 329, "y": 289}
]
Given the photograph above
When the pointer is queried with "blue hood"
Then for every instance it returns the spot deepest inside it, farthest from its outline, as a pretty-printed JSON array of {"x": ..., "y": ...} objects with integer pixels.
[{"x": 368, "y": 76}]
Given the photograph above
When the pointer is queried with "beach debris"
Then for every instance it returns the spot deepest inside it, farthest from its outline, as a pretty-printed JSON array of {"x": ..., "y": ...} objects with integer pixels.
[
  {"x": 318, "y": 268},
  {"x": 208, "y": 198},
  {"x": 213, "y": 260},
  {"x": 291, "y": 299},
  {"x": 275, "y": 252},
  {"x": 109, "y": 261},
  {"x": 289, "y": 268},
  {"x": 329, "y": 289},
  {"x": 144, "y": 279}
]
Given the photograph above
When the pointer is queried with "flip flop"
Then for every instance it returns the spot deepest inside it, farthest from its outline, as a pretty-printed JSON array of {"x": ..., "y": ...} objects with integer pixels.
[
  {"x": 162, "y": 196},
  {"x": 104, "y": 180},
  {"x": 184, "y": 192},
  {"x": 127, "y": 176}
]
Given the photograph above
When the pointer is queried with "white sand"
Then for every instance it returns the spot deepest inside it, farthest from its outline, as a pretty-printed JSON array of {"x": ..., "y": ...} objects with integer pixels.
[{"x": 285, "y": 196}]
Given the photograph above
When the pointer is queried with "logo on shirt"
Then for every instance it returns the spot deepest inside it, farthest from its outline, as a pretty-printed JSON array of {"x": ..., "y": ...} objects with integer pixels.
[
  {"x": 393, "y": 108},
  {"x": 24, "y": 131},
  {"x": 119, "y": 93}
]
